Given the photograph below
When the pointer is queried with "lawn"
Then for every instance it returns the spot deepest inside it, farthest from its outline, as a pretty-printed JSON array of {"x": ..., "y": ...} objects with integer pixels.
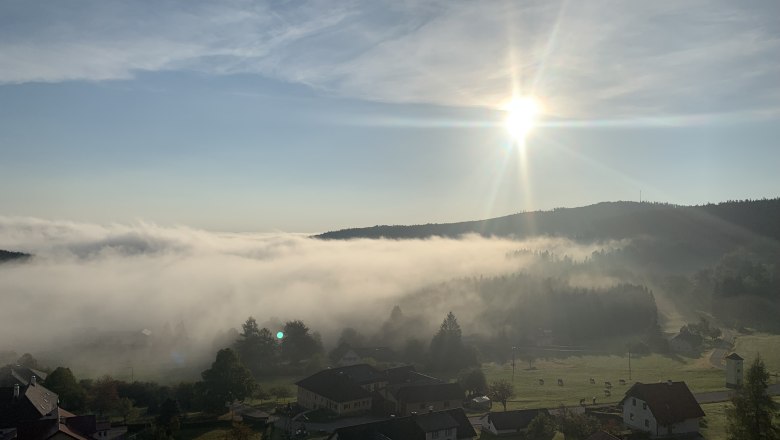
[
  {"x": 577, "y": 370},
  {"x": 716, "y": 420},
  {"x": 768, "y": 346}
]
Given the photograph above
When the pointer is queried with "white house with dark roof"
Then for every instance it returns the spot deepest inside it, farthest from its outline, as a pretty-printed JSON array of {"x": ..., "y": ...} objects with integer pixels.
[{"x": 661, "y": 409}]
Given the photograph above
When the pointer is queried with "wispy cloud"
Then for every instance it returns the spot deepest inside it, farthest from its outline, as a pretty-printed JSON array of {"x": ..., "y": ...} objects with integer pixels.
[{"x": 603, "y": 58}]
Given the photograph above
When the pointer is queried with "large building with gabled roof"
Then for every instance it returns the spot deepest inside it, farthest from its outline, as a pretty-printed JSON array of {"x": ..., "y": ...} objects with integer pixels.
[
  {"x": 343, "y": 390},
  {"x": 661, "y": 409}
]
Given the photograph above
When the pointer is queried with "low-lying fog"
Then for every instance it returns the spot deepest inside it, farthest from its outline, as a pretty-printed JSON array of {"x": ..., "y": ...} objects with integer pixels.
[{"x": 86, "y": 279}]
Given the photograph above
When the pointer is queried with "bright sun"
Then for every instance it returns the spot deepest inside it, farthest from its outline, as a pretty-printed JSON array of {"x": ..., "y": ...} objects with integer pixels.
[{"x": 521, "y": 117}]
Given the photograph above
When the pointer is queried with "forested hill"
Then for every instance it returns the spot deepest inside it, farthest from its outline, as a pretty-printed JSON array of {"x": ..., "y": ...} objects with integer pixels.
[
  {"x": 729, "y": 221},
  {"x": 11, "y": 256}
]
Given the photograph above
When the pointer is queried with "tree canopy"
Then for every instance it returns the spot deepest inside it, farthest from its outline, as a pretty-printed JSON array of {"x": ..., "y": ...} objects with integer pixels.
[
  {"x": 447, "y": 351},
  {"x": 63, "y": 383},
  {"x": 753, "y": 413},
  {"x": 500, "y": 391},
  {"x": 257, "y": 347},
  {"x": 227, "y": 380},
  {"x": 299, "y": 343}
]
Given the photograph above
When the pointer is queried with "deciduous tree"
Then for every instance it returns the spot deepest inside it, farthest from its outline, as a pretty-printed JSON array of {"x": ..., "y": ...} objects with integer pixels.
[
  {"x": 500, "y": 391},
  {"x": 227, "y": 380},
  {"x": 63, "y": 383}
]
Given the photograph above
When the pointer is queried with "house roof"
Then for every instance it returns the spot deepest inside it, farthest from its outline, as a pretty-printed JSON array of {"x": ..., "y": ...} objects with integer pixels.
[
  {"x": 24, "y": 375},
  {"x": 334, "y": 385},
  {"x": 41, "y": 398},
  {"x": 734, "y": 356},
  {"x": 435, "y": 421},
  {"x": 406, "y": 375},
  {"x": 409, "y": 428},
  {"x": 34, "y": 402},
  {"x": 602, "y": 435},
  {"x": 670, "y": 402},
  {"x": 517, "y": 419},
  {"x": 361, "y": 373},
  {"x": 688, "y": 337},
  {"x": 429, "y": 392}
]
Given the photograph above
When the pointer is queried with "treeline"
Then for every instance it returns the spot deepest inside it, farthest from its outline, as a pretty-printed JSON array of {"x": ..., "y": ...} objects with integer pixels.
[
  {"x": 296, "y": 350},
  {"x": 165, "y": 406},
  {"x": 11, "y": 255},
  {"x": 730, "y": 222},
  {"x": 526, "y": 309},
  {"x": 741, "y": 290}
]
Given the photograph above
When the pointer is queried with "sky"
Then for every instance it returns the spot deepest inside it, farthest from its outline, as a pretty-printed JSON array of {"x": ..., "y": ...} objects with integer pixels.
[{"x": 253, "y": 116}]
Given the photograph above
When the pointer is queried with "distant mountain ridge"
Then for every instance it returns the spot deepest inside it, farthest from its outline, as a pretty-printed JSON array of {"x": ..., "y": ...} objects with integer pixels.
[{"x": 734, "y": 221}]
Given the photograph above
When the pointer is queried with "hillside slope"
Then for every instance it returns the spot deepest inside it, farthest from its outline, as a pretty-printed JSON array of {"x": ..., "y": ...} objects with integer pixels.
[{"x": 730, "y": 221}]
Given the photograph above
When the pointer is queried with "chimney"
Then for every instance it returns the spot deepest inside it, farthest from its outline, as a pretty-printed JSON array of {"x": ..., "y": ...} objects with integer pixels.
[
  {"x": 32, "y": 380},
  {"x": 16, "y": 391}
]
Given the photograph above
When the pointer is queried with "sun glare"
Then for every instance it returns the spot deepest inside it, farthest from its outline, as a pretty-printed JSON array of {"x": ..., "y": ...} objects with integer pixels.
[{"x": 521, "y": 117}]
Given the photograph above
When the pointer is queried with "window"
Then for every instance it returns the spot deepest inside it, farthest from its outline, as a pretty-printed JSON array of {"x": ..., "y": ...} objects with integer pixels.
[
  {"x": 448, "y": 432},
  {"x": 647, "y": 423},
  {"x": 644, "y": 406},
  {"x": 435, "y": 434},
  {"x": 633, "y": 402},
  {"x": 631, "y": 416}
]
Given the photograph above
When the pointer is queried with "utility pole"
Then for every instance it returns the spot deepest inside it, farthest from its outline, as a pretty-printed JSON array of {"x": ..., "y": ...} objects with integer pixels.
[{"x": 513, "y": 364}]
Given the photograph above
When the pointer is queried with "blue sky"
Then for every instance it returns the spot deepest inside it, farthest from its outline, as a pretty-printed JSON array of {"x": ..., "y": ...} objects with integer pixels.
[{"x": 309, "y": 116}]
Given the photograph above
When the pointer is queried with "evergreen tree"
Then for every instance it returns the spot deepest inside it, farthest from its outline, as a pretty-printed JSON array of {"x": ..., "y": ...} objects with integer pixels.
[
  {"x": 447, "y": 350},
  {"x": 753, "y": 413}
]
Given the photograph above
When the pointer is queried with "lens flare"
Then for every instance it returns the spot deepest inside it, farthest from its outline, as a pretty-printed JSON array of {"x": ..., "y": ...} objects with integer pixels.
[{"x": 521, "y": 117}]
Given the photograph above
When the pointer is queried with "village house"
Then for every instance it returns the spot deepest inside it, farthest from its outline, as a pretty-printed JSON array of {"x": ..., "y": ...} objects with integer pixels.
[
  {"x": 510, "y": 422},
  {"x": 439, "y": 425},
  {"x": 686, "y": 343},
  {"x": 409, "y": 391},
  {"x": 359, "y": 388},
  {"x": 344, "y": 390},
  {"x": 32, "y": 412},
  {"x": 661, "y": 409}
]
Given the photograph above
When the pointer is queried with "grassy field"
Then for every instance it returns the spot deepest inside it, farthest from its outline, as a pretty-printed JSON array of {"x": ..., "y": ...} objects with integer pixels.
[
  {"x": 768, "y": 346},
  {"x": 577, "y": 370},
  {"x": 716, "y": 420}
]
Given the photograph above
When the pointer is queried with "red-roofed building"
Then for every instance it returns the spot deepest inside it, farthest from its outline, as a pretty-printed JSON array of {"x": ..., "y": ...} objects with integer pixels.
[{"x": 661, "y": 409}]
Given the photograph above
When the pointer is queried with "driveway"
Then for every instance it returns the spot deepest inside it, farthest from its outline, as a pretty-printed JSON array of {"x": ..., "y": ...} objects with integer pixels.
[{"x": 717, "y": 355}]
